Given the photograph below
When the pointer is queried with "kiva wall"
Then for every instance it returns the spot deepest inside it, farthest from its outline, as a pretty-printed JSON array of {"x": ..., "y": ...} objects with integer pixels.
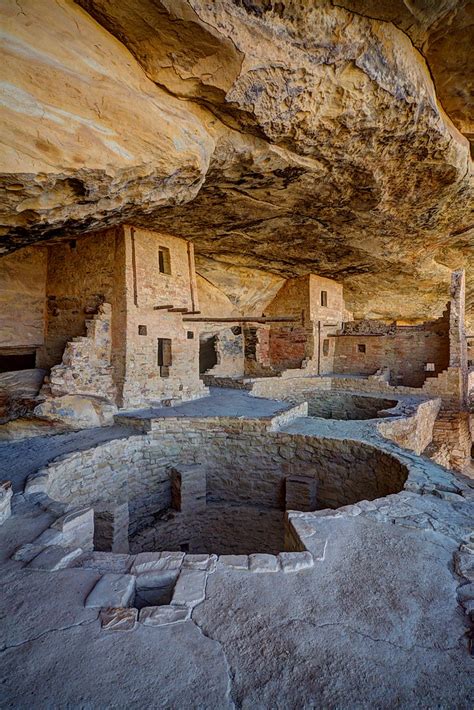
[{"x": 242, "y": 467}]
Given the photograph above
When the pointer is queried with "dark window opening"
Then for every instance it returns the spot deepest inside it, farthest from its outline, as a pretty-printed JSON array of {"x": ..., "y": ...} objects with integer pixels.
[
  {"x": 72, "y": 244},
  {"x": 19, "y": 361},
  {"x": 164, "y": 261},
  {"x": 326, "y": 347},
  {"x": 324, "y": 298},
  {"x": 361, "y": 348},
  {"x": 164, "y": 360},
  {"x": 190, "y": 335},
  {"x": 142, "y": 330}
]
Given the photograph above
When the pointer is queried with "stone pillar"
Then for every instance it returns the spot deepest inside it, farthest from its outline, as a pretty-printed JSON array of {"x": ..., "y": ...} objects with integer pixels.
[
  {"x": 457, "y": 329},
  {"x": 111, "y": 529},
  {"x": 188, "y": 488},
  {"x": 5, "y": 500},
  {"x": 300, "y": 493}
]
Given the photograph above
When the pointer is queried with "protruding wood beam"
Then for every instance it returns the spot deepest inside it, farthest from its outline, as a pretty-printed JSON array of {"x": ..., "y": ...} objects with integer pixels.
[{"x": 256, "y": 319}]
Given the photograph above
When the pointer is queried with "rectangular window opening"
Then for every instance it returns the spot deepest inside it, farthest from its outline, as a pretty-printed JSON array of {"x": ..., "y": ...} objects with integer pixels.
[
  {"x": 324, "y": 298},
  {"x": 13, "y": 360},
  {"x": 164, "y": 261},
  {"x": 326, "y": 347},
  {"x": 361, "y": 348},
  {"x": 164, "y": 359},
  {"x": 190, "y": 334},
  {"x": 142, "y": 330}
]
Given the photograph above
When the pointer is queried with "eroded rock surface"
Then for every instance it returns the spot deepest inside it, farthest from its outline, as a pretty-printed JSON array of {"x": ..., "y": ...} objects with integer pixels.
[{"x": 301, "y": 137}]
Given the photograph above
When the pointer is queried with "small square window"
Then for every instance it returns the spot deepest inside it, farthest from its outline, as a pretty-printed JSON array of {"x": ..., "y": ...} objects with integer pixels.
[
  {"x": 190, "y": 335},
  {"x": 142, "y": 330},
  {"x": 326, "y": 347},
  {"x": 429, "y": 367},
  {"x": 324, "y": 298},
  {"x": 361, "y": 348},
  {"x": 164, "y": 261}
]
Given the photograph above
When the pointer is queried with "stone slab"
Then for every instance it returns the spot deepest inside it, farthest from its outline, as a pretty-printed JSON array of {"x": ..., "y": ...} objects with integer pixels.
[
  {"x": 295, "y": 561},
  {"x": 27, "y": 552},
  {"x": 466, "y": 592},
  {"x": 54, "y": 558},
  {"x": 464, "y": 562},
  {"x": 206, "y": 563},
  {"x": 260, "y": 562},
  {"x": 106, "y": 562},
  {"x": 163, "y": 615},
  {"x": 118, "y": 619},
  {"x": 112, "y": 590},
  {"x": 146, "y": 561},
  {"x": 234, "y": 561},
  {"x": 190, "y": 588}
]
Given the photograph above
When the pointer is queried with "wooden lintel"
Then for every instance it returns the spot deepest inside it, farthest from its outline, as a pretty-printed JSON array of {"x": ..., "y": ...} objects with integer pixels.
[
  {"x": 256, "y": 319},
  {"x": 357, "y": 335},
  {"x": 163, "y": 308}
]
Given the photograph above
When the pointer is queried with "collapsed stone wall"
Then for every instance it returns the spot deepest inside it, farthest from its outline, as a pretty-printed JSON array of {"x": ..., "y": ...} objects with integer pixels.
[
  {"x": 365, "y": 347},
  {"x": 452, "y": 441},
  {"x": 86, "y": 364},
  {"x": 81, "y": 276},
  {"x": 287, "y": 347},
  {"x": 228, "y": 345}
]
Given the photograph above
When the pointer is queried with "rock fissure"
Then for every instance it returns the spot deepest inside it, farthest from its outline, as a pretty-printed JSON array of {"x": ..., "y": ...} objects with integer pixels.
[
  {"x": 357, "y": 632},
  {"x": 4, "y": 649}
]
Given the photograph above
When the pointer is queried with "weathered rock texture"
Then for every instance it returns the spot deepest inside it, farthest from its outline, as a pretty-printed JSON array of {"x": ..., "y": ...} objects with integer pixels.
[{"x": 317, "y": 129}]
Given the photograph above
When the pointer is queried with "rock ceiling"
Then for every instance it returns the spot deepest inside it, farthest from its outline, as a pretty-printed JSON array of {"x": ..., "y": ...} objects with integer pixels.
[{"x": 286, "y": 137}]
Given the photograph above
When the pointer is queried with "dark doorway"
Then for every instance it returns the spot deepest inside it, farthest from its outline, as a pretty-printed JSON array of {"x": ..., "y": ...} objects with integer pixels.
[
  {"x": 10, "y": 362},
  {"x": 207, "y": 353},
  {"x": 164, "y": 357}
]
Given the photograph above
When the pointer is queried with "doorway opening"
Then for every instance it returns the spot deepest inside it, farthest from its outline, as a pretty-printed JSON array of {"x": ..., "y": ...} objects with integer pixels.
[{"x": 207, "y": 353}]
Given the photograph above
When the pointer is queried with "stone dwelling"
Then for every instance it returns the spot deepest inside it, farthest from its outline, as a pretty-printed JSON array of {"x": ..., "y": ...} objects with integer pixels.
[
  {"x": 106, "y": 321},
  {"x": 112, "y": 320},
  {"x": 236, "y": 354}
]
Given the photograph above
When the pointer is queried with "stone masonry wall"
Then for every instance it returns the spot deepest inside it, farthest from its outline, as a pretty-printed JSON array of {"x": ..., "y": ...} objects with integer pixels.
[
  {"x": 302, "y": 297},
  {"x": 451, "y": 445},
  {"x": 242, "y": 467},
  {"x": 404, "y": 351},
  {"x": 219, "y": 529},
  {"x": 413, "y": 430},
  {"x": 147, "y": 291},
  {"x": 22, "y": 298}
]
